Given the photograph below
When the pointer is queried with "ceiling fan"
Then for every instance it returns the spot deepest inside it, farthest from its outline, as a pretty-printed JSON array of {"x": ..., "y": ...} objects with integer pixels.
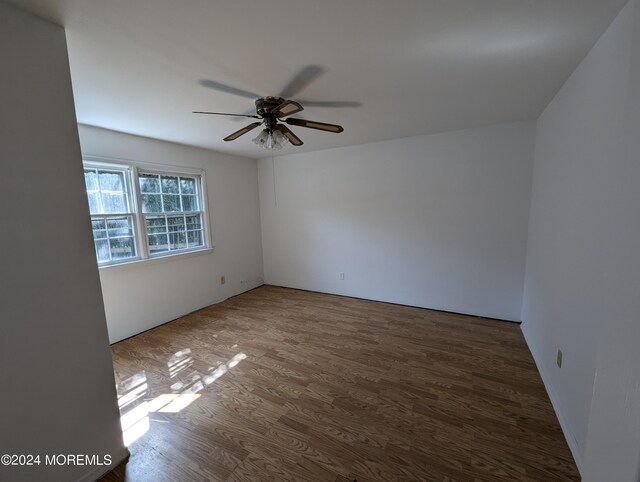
[{"x": 272, "y": 111}]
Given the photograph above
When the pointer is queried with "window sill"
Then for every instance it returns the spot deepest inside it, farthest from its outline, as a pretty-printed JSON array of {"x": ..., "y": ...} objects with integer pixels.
[{"x": 157, "y": 260}]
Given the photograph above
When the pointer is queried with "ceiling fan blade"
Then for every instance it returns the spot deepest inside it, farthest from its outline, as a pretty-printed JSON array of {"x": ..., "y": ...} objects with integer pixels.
[
  {"x": 294, "y": 139},
  {"x": 247, "y": 113},
  {"x": 242, "y": 131},
  {"x": 225, "y": 113},
  {"x": 212, "y": 84},
  {"x": 321, "y": 126},
  {"x": 303, "y": 78},
  {"x": 322, "y": 103},
  {"x": 288, "y": 107}
]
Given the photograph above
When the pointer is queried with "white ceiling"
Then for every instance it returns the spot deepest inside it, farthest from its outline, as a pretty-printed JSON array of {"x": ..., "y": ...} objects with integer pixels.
[{"x": 415, "y": 66}]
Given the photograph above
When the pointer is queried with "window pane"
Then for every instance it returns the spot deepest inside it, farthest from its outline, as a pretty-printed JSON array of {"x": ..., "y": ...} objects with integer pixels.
[
  {"x": 113, "y": 203},
  {"x": 171, "y": 202},
  {"x": 91, "y": 179},
  {"x": 194, "y": 238},
  {"x": 98, "y": 224},
  {"x": 178, "y": 240},
  {"x": 156, "y": 221},
  {"x": 102, "y": 250},
  {"x": 188, "y": 185},
  {"x": 170, "y": 185},
  {"x": 119, "y": 227},
  {"x": 157, "y": 230},
  {"x": 189, "y": 203},
  {"x": 111, "y": 181},
  {"x": 158, "y": 243},
  {"x": 175, "y": 223},
  {"x": 122, "y": 248},
  {"x": 94, "y": 202},
  {"x": 156, "y": 224},
  {"x": 193, "y": 222},
  {"x": 151, "y": 203},
  {"x": 99, "y": 230},
  {"x": 149, "y": 183}
]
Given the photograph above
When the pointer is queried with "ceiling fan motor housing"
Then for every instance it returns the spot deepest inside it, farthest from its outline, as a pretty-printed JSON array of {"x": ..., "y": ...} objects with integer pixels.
[{"x": 264, "y": 105}]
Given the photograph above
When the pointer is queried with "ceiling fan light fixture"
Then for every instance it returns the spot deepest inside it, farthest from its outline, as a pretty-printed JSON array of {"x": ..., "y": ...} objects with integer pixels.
[
  {"x": 271, "y": 140},
  {"x": 261, "y": 138},
  {"x": 279, "y": 139}
]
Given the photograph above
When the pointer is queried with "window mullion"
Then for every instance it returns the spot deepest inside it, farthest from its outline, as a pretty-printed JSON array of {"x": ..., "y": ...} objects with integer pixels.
[{"x": 140, "y": 224}]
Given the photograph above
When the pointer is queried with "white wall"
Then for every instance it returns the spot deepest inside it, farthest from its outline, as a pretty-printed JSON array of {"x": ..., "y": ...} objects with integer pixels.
[
  {"x": 613, "y": 442},
  {"x": 143, "y": 295},
  {"x": 58, "y": 391},
  {"x": 437, "y": 221},
  {"x": 581, "y": 286}
]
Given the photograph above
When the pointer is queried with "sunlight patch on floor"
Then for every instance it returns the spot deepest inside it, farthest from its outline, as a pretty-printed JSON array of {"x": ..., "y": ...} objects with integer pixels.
[{"x": 135, "y": 406}]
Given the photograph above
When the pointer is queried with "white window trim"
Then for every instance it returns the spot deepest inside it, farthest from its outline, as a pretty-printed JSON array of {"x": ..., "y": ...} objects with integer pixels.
[{"x": 132, "y": 169}]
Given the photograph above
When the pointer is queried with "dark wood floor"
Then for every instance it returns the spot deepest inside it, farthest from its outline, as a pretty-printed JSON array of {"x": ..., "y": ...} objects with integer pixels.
[{"x": 280, "y": 384}]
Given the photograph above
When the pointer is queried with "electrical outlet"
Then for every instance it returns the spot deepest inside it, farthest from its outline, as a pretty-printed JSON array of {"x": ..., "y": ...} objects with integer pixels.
[
  {"x": 342, "y": 276},
  {"x": 559, "y": 359},
  {"x": 223, "y": 280}
]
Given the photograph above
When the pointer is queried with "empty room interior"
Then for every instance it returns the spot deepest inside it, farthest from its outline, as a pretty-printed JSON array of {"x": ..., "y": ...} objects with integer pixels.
[{"x": 320, "y": 241}]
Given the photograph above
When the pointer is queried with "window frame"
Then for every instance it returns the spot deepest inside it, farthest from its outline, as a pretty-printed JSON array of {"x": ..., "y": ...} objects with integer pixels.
[{"x": 132, "y": 170}]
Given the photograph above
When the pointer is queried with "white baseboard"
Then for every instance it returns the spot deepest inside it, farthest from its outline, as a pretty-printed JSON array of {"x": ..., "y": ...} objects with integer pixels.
[
  {"x": 457, "y": 310},
  {"x": 564, "y": 424}
]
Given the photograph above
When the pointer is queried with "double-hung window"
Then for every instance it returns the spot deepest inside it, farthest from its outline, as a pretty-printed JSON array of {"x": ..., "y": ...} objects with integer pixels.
[
  {"x": 171, "y": 212},
  {"x": 138, "y": 212},
  {"x": 110, "y": 205}
]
